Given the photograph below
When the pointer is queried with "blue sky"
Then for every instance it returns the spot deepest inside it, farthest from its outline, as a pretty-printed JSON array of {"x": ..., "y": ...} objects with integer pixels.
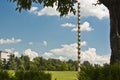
[{"x": 42, "y": 32}]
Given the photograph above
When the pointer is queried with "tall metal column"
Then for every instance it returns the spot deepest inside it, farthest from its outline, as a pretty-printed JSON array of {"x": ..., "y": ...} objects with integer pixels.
[{"x": 79, "y": 37}]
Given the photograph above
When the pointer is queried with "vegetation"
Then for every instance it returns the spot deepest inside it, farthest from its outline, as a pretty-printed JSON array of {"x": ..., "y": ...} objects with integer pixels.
[
  {"x": 38, "y": 63},
  {"x": 32, "y": 75},
  {"x": 63, "y": 6},
  {"x": 88, "y": 71},
  {"x": 96, "y": 72},
  {"x": 24, "y": 75}
]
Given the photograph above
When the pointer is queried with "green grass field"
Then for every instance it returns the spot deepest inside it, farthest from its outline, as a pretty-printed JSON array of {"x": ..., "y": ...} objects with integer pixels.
[
  {"x": 57, "y": 75},
  {"x": 63, "y": 75}
]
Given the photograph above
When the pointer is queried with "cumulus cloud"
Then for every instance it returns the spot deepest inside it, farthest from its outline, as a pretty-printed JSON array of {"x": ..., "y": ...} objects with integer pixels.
[
  {"x": 45, "y": 43},
  {"x": 84, "y": 43},
  {"x": 64, "y": 53},
  {"x": 33, "y": 9},
  {"x": 50, "y": 11},
  {"x": 31, "y": 54},
  {"x": 84, "y": 27},
  {"x": 9, "y": 41},
  {"x": 91, "y": 56},
  {"x": 13, "y": 51},
  {"x": 9, "y": 50},
  {"x": 70, "y": 52},
  {"x": 68, "y": 25},
  {"x": 28, "y": 52},
  {"x": 30, "y": 43},
  {"x": 87, "y": 9}
]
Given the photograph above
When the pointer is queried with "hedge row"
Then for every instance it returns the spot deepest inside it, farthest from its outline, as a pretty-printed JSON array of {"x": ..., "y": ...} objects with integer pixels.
[
  {"x": 107, "y": 72},
  {"x": 25, "y": 75}
]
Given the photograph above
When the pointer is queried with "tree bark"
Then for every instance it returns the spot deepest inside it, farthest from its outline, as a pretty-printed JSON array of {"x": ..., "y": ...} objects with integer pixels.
[
  {"x": 114, "y": 10},
  {"x": 114, "y": 33}
]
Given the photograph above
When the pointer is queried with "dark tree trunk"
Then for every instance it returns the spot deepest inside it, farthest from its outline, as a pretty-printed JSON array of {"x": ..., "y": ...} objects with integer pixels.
[
  {"x": 115, "y": 33},
  {"x": 114, "y": 10}
]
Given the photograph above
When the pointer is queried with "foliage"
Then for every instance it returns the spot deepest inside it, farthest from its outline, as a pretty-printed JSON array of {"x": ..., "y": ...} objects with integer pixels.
[
  {"x": 1, "y": 65},
  {"x": 96, "y": 72},
  {"x": 24, "y": 75},
  {"x": 32, "y": 75},
  {"x": 63, "y": 6},
  {"x": 38, "y": 63},
  {"x": 4, "y": 75}
]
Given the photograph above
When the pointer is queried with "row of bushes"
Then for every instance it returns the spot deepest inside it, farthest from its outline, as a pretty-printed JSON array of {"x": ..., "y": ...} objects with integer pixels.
[
  {"x": 96, "y": 72},
  {"x": 24, "y": 75}
]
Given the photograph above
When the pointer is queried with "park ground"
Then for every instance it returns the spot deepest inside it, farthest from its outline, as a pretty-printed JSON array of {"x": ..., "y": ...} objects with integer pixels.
[
  {"x": 63, "y": 75},
  {"x": 57, "y": 75}
]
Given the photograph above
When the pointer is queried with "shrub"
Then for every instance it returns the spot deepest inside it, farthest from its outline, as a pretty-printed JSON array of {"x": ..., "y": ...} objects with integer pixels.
[
  {"x": 4, "y": 75},
  {"x": 24, "y": 75},
  {"x": 32, "y": 75},
  {"x": 96, "y": 72}
]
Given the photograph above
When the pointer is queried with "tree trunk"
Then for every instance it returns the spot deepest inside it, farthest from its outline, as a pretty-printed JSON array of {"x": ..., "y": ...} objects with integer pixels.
[
  {"x": 114, "y": 10},
  {"x": 115, "y": 33}
]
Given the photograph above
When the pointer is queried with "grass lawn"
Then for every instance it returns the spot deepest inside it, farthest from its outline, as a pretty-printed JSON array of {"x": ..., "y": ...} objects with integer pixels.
[{"x": 63, "y": 75}]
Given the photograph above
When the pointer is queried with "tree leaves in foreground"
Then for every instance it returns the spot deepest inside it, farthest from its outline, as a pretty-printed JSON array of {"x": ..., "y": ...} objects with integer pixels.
[{"x": 63, "y": 6}]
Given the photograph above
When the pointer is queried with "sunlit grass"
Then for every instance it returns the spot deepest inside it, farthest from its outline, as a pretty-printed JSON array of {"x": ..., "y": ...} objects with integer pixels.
[
  {"x": 63, "y": 75},
  {"x": 56, "y": 75}
]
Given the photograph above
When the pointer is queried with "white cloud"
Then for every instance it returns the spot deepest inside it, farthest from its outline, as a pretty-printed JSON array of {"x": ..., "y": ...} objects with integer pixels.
[
  {"x": 16, "y": 53},
  {"x": 31, "y": 54},
  {"x": 91, "y": 56},
  {"x": 9, "y": 41},
  {"x": 48, "y": 55},
  {"x": 48, "y": 11},
  {"x": 70, "y": 52},
  {"x": 68, "y": 25},
  {"x": 45, "y": 11},
  {"x": 84, "y": 43},
  {"x": 9, "y": 50},
  {"x": 45, "y": 43},
  {"x": 64, "y": 53},
  {"x": 84, "y": 27},
  {"x": 33, "y": 9},
  {"x": 13, "y": 51},
  {"x": 30, "y": 43},
  {"x": 87, "y": 9}
]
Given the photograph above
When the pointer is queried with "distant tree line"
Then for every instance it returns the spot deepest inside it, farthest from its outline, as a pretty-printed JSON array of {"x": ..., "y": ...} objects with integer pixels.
[{"x": 38, "y": 63}]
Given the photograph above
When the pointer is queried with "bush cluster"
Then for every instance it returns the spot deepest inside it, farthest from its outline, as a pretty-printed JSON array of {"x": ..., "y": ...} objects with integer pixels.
[
  {"x": 24, "y": 75},
  {"x": 96, "y": 72}
]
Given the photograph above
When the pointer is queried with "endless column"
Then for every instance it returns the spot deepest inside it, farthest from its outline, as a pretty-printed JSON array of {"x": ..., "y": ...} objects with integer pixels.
[{"x": 79, "y": 37}]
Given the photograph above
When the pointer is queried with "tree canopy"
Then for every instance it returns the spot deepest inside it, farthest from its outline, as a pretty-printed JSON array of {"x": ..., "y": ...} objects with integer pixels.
[{"x": 63, "y": 6}]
